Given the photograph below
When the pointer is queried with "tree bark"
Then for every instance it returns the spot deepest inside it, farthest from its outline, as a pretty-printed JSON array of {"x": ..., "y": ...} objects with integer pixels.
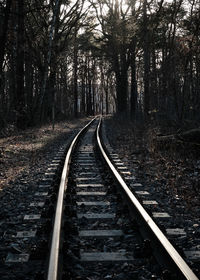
[
  {"x": 133, "y": 100},
  {"x": 146, "y": 50},
  {"x": 191, "y": 136},
  {"x": 3, "y": 37},
  {"x": 121, "y": 89},
  {"x": 75, "y": 75},
  {"x": 20, "y": 97}
]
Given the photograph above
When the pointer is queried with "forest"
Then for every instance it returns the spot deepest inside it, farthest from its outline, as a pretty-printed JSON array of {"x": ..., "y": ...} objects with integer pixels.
[
  {"x": 135, "y": 58},
  {"x": 99, "y": 99}
]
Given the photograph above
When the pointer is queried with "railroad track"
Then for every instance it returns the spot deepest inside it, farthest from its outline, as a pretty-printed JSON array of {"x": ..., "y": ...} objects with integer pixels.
[
  {"x": 98, "y": 233},
  {"x": 100, "y": 229}
]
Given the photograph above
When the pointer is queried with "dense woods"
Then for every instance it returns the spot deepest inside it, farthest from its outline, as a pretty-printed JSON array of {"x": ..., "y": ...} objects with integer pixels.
[{"x": 60, "y": 59}]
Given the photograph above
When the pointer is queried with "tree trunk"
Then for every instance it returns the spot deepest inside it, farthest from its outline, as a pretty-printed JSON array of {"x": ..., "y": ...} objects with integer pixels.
[
  {"x": 89, "y": 89},
  {"x": 133, "y": 100},
  {"x": 83, "y": 95},
  {"x": 89, "y": 97},
  {"x": 3, "y": 37},
  {"x": 107, "y": 105},
  {"x": 93, "y": 86},
  {"x": 20, "y": 98},
  {"x": 75, "y": 75},
  {"x": 146, "y": 50},
  {"x": 52, "y": 99},
  {"x": 53, "y": 31},
  {"x": 121, "y": 89}
]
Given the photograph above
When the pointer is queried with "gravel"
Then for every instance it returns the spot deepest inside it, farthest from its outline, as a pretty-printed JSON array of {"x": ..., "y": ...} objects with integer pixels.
[
  {"x": 22, "y": 238},
  {"x": 174, "y": 202}
]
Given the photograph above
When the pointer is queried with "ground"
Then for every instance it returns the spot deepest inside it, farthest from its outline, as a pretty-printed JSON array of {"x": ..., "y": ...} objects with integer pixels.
[
  {"x": 171, "y": 172},
  {"x": 24, "y": 151},
  {"x": 175, "y": 167}
]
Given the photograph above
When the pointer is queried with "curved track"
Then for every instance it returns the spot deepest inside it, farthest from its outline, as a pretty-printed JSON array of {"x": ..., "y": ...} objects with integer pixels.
[{"x": 96, "y": 233}]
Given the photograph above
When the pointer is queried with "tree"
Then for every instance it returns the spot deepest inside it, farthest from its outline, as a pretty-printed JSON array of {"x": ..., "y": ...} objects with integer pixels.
[
  {"x": 125, "y": 56},
  {"x": 5, "y": 10},
  {"x": 20, "y": 94},
  {"x": 116, "y": 44}
]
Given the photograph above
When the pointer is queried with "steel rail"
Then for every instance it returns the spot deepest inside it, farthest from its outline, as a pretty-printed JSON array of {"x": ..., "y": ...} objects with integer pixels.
[
  {"x": 55, "y": 242},
  {"x": 177, "y": 259}
]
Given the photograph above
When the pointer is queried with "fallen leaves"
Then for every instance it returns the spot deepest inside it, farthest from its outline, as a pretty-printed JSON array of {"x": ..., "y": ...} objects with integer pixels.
[
  {"x": 177, "y": 171},
  {"x": 25, "y": 148}
]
